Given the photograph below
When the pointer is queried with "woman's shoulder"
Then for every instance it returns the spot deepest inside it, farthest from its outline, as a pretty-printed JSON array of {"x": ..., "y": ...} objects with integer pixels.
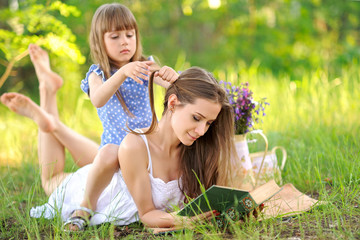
[
  {"x": 133, "y": 149},
  {"x": 133, "y": 143}
]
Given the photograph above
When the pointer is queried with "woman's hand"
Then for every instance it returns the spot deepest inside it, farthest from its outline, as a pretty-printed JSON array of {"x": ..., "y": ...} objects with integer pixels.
[
  {"x": 253, "y": 215},
  {"x": 189, "y": 222},
  {"x": 167, "y": 74},
  {"x": 137, "y": 70}
]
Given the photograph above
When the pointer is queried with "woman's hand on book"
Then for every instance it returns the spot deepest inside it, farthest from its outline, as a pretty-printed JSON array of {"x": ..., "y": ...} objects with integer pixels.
[
  {"x": 254, "y": 214},
  {"x": 188, "y": 222}
]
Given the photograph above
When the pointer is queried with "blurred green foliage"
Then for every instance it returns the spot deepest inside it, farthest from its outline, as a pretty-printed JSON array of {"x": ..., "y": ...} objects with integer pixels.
[
  {"x": 285, "y": 37},
  {"x": 37, "y": 23}
]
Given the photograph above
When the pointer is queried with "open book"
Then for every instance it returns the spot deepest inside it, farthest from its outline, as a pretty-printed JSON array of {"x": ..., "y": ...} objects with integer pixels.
[
  {"x": 287, "y": 201},
  {"x": 232, "y": 202}
]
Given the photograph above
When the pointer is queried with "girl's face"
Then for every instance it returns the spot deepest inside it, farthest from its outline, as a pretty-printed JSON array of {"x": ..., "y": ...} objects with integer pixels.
[
  {"x": 120, "y": 45},
  {"x": 191, "y": 121}
]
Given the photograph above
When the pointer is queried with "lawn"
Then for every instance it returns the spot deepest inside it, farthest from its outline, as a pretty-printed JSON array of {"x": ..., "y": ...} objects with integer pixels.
[{"x": 314, "y": 118}]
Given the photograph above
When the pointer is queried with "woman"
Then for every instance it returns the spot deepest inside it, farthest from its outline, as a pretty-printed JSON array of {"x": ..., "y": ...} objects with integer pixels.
[{"x": 191, "y": 143}]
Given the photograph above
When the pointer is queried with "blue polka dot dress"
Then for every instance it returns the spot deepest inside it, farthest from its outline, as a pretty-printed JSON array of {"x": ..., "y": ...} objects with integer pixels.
[{"x": 112, "y": 115}]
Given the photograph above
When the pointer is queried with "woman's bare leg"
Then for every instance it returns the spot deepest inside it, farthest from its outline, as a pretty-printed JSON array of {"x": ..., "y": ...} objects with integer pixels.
[
  {"x": 54, "y": 136},
  {"x": 24, "y": 106},
  {"x": 82, "y": 149},
  {"x": 51, "y": 168},
  {"x": 51, "y": 151},
  {"x": 52, "y": 160}
]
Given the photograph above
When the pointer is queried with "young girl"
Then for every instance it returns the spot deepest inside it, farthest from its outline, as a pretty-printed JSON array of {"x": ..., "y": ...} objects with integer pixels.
[
  {"x": 193, "y": 139},
  {"x": 117, "y": 87}
]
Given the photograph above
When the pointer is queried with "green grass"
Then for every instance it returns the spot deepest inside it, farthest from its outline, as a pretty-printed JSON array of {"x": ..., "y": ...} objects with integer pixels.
[{"x": 314, "y": 118}]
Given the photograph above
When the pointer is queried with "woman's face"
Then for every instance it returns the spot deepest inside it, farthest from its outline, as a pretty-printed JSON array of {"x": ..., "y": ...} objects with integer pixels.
[
  {"x": 120, "y": 45},
  {"x": 191, "y": 121}
]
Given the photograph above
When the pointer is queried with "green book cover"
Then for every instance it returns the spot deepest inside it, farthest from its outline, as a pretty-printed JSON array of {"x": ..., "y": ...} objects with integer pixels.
[{"x": 231, "y": 201}]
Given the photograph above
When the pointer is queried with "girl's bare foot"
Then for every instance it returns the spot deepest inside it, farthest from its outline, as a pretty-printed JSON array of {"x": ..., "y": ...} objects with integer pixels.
[
  {"x": 24, "y": 106},
  {"x": 47, "y": 78}
]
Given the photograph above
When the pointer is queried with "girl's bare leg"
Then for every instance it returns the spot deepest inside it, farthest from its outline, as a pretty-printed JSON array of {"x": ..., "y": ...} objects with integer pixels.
[
  {"x": 102, "y": 170},
  {"x": 105, "y": 165}
]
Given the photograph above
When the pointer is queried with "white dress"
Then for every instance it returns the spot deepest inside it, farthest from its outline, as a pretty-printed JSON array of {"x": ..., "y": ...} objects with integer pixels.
[{"x": 115, "y": 203}]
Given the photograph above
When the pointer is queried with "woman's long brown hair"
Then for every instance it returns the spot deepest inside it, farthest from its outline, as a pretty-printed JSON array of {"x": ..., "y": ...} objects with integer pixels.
[{"x": 208, "y": 159}]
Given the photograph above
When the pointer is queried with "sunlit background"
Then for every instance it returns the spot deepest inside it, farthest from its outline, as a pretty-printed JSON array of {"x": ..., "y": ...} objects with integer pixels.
[{"x": 303, "y": 56}]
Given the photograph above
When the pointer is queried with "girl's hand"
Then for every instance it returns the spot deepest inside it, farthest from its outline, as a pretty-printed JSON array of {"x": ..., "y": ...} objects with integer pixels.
[
  {"x": 167, "y": 74},
  {"x": 138, "y": 71}
]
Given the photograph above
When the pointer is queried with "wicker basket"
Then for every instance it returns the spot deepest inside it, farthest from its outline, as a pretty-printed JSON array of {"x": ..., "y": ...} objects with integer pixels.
[{"x": 266, "y": 165}]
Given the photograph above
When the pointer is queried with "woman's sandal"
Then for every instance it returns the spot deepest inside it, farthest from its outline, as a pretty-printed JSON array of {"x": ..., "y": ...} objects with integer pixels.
[{"x": 79, "y": 221}]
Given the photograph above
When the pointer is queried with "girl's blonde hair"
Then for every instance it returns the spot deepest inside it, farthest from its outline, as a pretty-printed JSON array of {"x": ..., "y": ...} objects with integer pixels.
[
  {"x": 208, "y": 159},
  {"x": 107, "y": 18}
]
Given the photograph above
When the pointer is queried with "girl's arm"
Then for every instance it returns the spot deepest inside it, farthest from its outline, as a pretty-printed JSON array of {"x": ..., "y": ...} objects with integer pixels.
[
  {"x": 101, "y": 92},
  {"x": 133, "y": 158}
]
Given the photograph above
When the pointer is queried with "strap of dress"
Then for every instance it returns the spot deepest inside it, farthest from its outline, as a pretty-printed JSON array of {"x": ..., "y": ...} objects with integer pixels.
[{"x": 148, "y": 150}]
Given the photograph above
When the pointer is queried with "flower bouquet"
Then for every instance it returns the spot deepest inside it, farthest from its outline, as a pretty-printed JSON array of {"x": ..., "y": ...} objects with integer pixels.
[{"x": 247, "y": 111}]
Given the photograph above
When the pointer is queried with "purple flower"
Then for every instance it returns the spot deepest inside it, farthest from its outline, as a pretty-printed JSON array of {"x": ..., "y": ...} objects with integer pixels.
[{"x": 246, "y": 110}]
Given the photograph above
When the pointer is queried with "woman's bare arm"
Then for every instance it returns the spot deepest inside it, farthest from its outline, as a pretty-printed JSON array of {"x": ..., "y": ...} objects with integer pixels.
[{"x": 133, "y": 158}]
